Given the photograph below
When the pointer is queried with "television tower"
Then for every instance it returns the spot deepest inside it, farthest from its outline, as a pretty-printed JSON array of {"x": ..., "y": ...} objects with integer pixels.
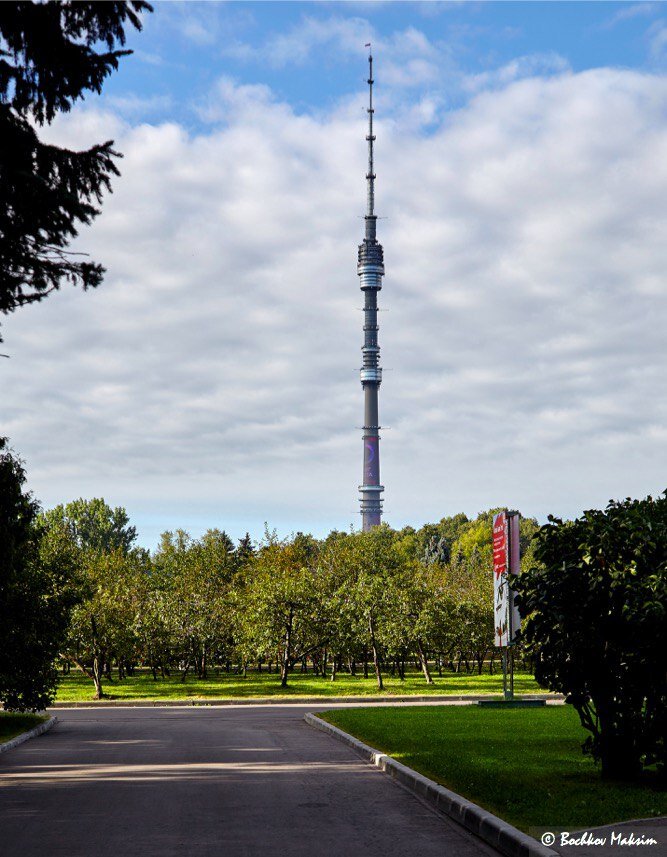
[{"x": 371, "y": 270}]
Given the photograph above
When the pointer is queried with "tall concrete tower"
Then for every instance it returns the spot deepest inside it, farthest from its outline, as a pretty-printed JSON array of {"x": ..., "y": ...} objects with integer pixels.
[{"x": 371, "y": 270}]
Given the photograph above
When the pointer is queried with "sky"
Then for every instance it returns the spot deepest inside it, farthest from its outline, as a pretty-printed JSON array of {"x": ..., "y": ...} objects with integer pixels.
[{"x": 212, "y": 380}]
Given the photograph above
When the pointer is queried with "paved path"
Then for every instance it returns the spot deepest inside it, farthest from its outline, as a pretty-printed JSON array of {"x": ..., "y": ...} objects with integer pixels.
[
  {"x": 608, "y": 839},
  {"x": 231, "y": 782}
]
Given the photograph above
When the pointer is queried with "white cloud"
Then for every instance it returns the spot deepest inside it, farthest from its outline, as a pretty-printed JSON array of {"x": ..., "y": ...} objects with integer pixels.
[
  {"x": 657, "y": 39},
  {"x": 526, "y": 66},
  {"x": 295, "y": 46},
  {"x": 135, "y": 105},
  {"x": 212, "y": 377},
  {"x": 415, "y": 59},
  {"x": 627, "y": 13},
  {"x": 149, "y": 58}
]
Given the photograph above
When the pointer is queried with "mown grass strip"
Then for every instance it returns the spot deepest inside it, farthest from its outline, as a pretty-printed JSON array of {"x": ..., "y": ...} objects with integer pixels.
[
  {"x": 12, "y": 724},
  {"x": 524, "y": 765},
  {"x": 76, "y": 687}
]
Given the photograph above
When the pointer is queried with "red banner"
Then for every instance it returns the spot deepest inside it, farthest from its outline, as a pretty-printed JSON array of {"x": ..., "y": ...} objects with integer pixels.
[
  {"x": 500, "y": 587},
  {"x": 499, "y": 544}
]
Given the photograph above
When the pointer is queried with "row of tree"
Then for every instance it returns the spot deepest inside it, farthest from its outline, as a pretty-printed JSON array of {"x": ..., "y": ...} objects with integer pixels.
[{"x": 348, "y": 601}]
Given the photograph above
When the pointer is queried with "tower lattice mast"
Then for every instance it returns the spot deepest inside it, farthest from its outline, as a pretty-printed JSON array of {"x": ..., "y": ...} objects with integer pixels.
[{"x": 370, "y": 269}]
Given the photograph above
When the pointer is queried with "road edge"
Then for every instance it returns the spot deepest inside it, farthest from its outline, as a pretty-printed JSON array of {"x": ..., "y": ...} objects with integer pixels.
[
  {"x": 493, "y": 830},
  {"x": 31, "y": 733},
  {"x": 287, "y": 700}
]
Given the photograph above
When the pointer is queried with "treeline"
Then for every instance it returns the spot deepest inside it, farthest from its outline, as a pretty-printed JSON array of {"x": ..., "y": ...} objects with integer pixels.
[
  {"x": 354, "y": 601},
  {"x": 76, "y": 592}
]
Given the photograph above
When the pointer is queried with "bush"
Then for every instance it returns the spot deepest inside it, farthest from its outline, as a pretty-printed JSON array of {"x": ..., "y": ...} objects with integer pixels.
[{"x": 596, "y": 623}]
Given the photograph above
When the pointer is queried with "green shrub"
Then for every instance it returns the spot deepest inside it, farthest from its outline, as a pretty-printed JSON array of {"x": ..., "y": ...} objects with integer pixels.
[{"x": 596, "y": 622}]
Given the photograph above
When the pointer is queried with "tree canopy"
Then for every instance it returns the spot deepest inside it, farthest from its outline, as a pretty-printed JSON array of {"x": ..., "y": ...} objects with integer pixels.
[
  {"x": 37, "y": 592},
  {"x": 94, "y": 525},
  {"x": 596, "y": 619},
  {"x": 51, "y": 54}
]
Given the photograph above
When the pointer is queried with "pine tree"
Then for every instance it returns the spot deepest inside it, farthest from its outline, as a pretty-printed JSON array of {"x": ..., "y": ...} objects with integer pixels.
[
  {"x": 37, "y": 592},
  {"x": 51, "y": 54}
]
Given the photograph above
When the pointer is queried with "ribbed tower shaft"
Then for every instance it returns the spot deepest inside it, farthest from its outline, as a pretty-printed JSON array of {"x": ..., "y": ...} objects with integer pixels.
[{"x": 370, "y": 269}]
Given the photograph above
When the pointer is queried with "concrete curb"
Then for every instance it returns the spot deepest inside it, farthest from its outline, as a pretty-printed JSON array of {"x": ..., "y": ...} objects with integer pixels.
[
  {"x": 493, "y": 830},
  {"x": 286, "y": 700},
  {"x": 26, "y": 736}
]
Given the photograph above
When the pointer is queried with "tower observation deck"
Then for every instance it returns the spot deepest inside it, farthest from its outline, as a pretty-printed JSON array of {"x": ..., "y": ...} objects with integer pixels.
[{"x": 370, "y": 269}]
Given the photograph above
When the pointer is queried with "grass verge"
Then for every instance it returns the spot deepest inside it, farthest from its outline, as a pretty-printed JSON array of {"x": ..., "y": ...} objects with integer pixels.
[
  {"x": 76, "y": 687},
  {"x": 524, "y": 765},
  {"x": 12, "y": 724}
]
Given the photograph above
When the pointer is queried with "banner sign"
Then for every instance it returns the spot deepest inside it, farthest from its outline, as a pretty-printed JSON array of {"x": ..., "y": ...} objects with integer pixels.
[
  {"x": 500, "y": 588},
  {"x": 506, "y": 562}
]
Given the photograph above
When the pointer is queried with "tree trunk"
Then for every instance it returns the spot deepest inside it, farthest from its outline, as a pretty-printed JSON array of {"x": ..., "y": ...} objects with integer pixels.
[
  {"x": 334, "y": 665},
  {"x": 97, "y": 675},
  {"x": 619, "y": 758},
  {"x": 365, "y": 664},
  {"x": 98, "y": 661},
  {"x": 424, "y": 662},
  {"x": 80, "y": 666},
  {"x": 287, "y": 652},
  {"x": 376, "y": 657}
]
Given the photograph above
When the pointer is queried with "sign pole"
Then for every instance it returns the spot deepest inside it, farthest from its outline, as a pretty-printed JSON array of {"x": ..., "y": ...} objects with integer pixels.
[
  {"x": 506, "y": 617},
  {"x": 509, "y": 656}
]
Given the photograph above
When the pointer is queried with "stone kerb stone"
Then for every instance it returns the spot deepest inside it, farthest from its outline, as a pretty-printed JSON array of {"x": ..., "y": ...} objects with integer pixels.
[{"x": 26, "y": 736}]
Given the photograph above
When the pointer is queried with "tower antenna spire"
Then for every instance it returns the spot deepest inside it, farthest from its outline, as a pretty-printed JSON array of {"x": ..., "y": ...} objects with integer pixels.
[
  {"x": 370, "y": 269},
  {"x": 370, "y": 176}
]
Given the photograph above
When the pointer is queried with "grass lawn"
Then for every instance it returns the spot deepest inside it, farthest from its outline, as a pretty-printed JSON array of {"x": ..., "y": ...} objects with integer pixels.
[
  {"x": 12, "y": 724},
  {"x": 76, "y": 687},
  {"x": 524, "y": 765}
]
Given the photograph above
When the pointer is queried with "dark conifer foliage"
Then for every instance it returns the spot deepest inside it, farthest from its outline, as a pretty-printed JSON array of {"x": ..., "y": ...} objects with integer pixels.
[
  {"x": 51, "y": 54},
  {"x": 37, "y": 592}
]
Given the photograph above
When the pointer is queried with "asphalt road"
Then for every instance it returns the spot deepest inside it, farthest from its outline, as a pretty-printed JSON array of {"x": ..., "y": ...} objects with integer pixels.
[{"x": 251, "y": 781}]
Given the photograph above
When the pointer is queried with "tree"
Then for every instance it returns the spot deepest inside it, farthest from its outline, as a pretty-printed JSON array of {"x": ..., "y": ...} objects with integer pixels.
[
  {"x": 104, "y": 623},
  {"x": 283, "y": 614},
  {"x": 195, "y": 580},
  {"x": 94, "y": 525},
  {"x": 595, "y": 613},
  {"x": 36, "y": 593},
  {"x": 373, "y": 590},
  {"x": 50, "y": 55}
]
